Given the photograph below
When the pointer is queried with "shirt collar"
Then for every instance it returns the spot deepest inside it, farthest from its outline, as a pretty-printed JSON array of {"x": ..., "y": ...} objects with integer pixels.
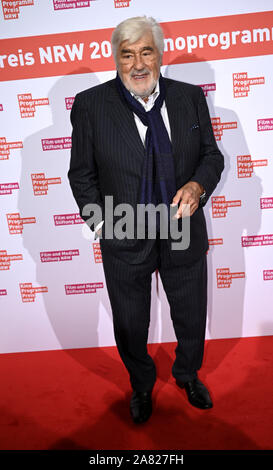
[{"x": 151, "y": 98}]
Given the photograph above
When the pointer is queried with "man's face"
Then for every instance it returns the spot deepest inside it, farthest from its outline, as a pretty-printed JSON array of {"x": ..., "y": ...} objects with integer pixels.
[{"x": 138, "y": 65}]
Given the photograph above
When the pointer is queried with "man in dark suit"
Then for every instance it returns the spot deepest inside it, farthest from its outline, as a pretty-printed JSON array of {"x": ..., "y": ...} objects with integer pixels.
[{"x": 141, "y": 139}]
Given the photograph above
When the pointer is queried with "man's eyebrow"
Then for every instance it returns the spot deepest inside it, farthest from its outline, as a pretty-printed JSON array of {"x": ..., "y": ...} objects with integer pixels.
[
  {"x": 125, "y": 51},
  {"x": 130, "y": 51},
  {"x": 147, "y": 48}
]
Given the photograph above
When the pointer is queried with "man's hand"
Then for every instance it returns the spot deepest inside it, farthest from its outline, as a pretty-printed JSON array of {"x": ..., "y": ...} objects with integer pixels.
[{"x": 188, "y": 194}]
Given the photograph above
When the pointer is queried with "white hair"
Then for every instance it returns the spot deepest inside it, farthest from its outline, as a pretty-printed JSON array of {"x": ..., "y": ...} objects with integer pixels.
[{"x": 133, "y": 28}]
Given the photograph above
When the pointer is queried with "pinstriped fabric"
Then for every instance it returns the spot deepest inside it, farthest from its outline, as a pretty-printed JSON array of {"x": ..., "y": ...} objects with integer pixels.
[
  {"x": 107, "y": 157},
  {"x": 186, "y": 290},
  {"x": 129, "y": 288}
]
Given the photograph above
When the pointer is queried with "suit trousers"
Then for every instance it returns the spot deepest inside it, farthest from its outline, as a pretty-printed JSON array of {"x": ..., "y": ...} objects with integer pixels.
[{"x": 129, "y": 290}]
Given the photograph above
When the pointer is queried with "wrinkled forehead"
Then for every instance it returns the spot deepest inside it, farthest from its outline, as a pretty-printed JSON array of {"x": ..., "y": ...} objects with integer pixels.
[{"x": 144, "y": 42}]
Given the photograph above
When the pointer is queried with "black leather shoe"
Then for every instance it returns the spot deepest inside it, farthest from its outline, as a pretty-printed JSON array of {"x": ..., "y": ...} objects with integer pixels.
[
  {"x": 197, "y": 393},
  {"x": 141, "y": 406}
]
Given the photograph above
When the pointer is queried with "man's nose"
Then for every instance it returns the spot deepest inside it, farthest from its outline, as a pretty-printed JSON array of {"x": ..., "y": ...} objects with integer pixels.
[{"x": 138, "y": 62}]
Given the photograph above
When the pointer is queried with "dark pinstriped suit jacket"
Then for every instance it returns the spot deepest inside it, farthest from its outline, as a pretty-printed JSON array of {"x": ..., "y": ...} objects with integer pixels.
[{"x": 107, "y": 156}]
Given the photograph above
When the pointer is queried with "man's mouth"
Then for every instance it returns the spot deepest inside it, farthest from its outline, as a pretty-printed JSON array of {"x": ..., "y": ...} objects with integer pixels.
[{"x": 140, "y": 76}]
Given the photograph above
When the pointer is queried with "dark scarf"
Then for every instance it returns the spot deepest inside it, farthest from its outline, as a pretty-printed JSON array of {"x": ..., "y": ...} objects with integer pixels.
[{"x": 158, "y": 176}]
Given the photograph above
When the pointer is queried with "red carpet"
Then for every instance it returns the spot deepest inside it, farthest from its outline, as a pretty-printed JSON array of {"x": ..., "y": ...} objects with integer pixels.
[{"x": 79, "y": 399}]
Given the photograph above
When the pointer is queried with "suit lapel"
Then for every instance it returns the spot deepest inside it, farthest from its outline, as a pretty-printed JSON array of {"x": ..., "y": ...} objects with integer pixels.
[
  {"x": 124, "y": 121},
  {"x": 177, "y": 109}
]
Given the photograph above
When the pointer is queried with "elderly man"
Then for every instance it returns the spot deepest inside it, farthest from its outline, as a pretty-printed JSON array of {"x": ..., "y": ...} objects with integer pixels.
[{"x": 144, "y": 139}]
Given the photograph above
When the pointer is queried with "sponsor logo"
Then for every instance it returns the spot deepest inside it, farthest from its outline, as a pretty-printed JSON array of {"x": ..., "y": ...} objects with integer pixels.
[
  {"x": 68, "y": 219},
  {"x": 67, "y": 4},
  {"x": 16, "y": 223},
  {"x": 219, "y": 127},
  {"x": 97, "y": 252},
  {"x": 265, "y": 124},
  {"x": 266, "y": 202},
  {"x": 69, "y": 102},
  {"x": 28, "y": 292},
  {"x": 11, "y": 8},
  {"x": 245, "y": 165},
  {"x": 241, "y": 84},
  {"x": 225, "y": 277},
  {"x": 88, "y": 288},
  {"x": 215, "y": 241},
  {"x": 27, "y": 105},
  {"x": 7, "y": 188},
  {"x": 40, "y": 183},
  {"x": 56, "y": 55},
  {"x": 3, "y": 292},
  {"x": 220, "y": 206},
  {"x": 257, "y": 240},
  {"x": 208, "y": 87},
  {"x": 268, "y": 274},
  {"x": 59, "y": 143},
  {"x": 119, "y": 4},
  {"x": 63, "y": 255},
  {"x": 6, "y": 259},
  {"x": 5, "y": 147}
]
